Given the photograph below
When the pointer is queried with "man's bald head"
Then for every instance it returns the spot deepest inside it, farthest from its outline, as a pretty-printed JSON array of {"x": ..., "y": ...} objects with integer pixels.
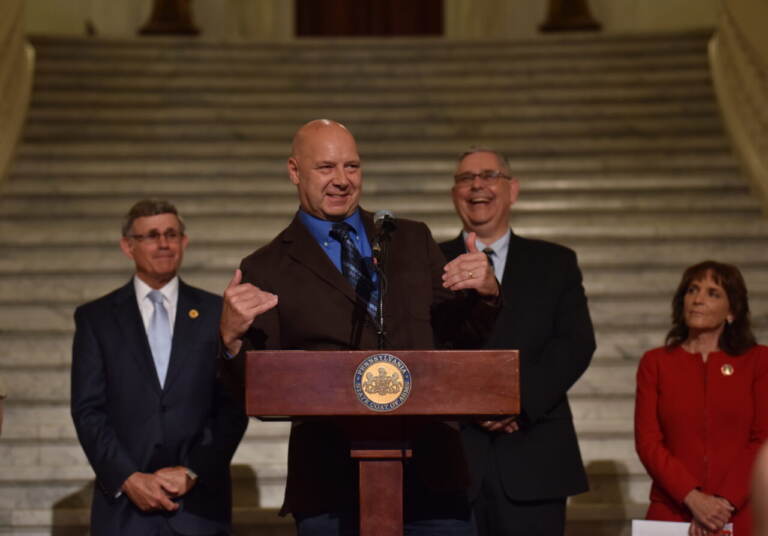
[
  {"x": 311, "y": 131},
  {"x": 325, "y": 167}
]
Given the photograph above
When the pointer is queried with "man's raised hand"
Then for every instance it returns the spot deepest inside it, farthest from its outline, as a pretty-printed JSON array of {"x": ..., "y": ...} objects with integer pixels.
[
  {"x": 471, "y": 270},
  {"x": 243, "y": 302}
]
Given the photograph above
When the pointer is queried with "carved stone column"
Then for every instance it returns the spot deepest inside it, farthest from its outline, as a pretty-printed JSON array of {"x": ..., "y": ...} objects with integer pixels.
[
  {"x": 569, "y": 15},
  {"x": 170, "y": 17}
]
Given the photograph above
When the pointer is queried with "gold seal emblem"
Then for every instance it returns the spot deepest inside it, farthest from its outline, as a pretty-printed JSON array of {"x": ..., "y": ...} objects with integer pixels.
[
  {"x": 193, "y": 313},
  {"x": 727, "y": 369},
  {"x": 382, "y": 382}
]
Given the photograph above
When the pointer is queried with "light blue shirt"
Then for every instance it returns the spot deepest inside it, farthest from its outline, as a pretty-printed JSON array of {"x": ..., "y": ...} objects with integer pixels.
[{"x": 500, "y": 249}]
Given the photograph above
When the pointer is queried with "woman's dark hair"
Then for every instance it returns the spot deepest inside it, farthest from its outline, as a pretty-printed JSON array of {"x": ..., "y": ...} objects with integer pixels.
[{"x": 737, "y": 336}]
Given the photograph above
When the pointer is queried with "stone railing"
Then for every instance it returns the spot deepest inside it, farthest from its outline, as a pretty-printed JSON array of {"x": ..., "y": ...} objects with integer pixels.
[
  {"x": 738, "y": 55},
  {"x": 16, "y": 65}
]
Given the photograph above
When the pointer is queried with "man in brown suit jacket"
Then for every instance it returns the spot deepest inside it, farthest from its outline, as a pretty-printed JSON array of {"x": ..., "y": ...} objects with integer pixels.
[{"x": 294, "y": 293}]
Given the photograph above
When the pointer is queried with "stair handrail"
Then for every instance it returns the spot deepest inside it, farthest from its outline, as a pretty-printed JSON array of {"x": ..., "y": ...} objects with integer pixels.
[
  {"x": 17, "y": 59},
  {"x": 738, "y": 56}
]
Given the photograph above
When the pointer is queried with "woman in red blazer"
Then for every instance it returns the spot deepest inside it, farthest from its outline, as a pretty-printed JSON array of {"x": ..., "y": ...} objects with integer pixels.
[{"x": 701, "y": 412}]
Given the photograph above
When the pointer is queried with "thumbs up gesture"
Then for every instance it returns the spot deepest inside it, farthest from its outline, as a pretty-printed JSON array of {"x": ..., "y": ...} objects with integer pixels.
[
  {"x": 243, "y": 302},
  {"x": 471, "y": 270}
]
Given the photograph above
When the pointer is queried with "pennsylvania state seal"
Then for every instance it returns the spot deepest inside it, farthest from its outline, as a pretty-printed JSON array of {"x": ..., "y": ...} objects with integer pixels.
[{"x": 382, "y": 382}]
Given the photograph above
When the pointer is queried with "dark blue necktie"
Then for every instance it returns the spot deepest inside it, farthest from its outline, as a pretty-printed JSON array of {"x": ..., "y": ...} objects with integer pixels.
[{"x": 354, "y": 267}]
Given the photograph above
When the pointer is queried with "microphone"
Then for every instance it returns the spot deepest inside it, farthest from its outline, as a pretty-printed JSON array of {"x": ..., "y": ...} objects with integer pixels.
[{"x": 384, "y": 221}]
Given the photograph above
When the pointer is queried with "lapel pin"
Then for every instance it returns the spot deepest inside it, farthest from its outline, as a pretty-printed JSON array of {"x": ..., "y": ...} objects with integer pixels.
[
  {"x": 193, "y": 313},
  {"x": 727, "y": 369}
]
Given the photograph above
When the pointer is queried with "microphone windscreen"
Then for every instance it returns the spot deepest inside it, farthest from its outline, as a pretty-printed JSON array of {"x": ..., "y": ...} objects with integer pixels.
[{"x": 382, "y": 215}]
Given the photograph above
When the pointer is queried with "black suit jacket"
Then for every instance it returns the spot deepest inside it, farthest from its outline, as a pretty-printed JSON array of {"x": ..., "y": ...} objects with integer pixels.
[
  {"x": 319, "y": 310},
  {"x": 545, "y": 316},
  {"x": 126, "y": 422}
]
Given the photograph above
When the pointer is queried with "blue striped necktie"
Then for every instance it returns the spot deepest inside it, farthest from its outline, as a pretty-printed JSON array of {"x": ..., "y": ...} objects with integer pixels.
[
  {"x": 354, "y": 267},
  {"x": 159, "y": 335}
]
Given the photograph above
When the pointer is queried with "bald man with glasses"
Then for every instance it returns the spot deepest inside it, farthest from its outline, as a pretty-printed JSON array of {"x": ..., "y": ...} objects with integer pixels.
[{"x": 524, "y": 468}]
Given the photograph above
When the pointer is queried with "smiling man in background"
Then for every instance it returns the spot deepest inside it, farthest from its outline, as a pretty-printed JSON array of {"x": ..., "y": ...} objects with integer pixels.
[{"x": 524, "y": 468}]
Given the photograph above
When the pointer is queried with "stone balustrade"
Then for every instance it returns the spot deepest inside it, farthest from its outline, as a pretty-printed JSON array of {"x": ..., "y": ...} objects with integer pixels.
[
  {"x": 16, "y": 66},
  {"x": 738, "y": 54}
]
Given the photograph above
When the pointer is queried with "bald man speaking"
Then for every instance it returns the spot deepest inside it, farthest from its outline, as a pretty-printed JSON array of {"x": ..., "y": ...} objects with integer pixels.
[{"x": 314, "y": 288}]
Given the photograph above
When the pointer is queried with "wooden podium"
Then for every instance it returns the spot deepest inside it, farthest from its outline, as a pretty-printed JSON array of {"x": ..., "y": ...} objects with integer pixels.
[{"x": 373, "y": 391}]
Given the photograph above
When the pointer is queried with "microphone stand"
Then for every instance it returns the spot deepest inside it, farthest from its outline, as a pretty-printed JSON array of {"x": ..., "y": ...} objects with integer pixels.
[
  {"x": 380, "y": 308},
  {"x": 379, "y": 259}
]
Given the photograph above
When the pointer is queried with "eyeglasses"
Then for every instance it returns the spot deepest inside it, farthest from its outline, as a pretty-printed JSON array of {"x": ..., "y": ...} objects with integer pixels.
[
  {"x": 153, "y": 237},
  {"x": 489, "y": 177}
]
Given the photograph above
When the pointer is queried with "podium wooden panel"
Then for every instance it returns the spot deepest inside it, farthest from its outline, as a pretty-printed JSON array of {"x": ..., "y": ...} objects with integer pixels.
[{"x": 448, "y": 384}]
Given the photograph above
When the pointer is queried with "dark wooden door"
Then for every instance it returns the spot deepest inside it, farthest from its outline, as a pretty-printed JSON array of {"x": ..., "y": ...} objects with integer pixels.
[{"x": 328, "y": 18}]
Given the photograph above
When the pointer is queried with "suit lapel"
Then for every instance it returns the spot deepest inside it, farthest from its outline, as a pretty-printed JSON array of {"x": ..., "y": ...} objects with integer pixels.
[
  {"x": 185, "y": 332},
  {"x": 515, "y": 267},
  {"x": 133, "y": 334},
  {"x": 455, "y": 247},
  {"x": 303, "y": 249}
]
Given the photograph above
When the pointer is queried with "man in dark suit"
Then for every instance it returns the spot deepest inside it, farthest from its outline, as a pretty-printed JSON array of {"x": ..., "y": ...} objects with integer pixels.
[
  {"x": 157, "y": 427},
  {"x": 307, "y": 268},
  {"x": 524, "y": 468}
]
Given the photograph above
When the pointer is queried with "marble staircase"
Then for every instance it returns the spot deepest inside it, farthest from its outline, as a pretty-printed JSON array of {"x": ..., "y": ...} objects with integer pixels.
[{"x": 616, "y": 141}]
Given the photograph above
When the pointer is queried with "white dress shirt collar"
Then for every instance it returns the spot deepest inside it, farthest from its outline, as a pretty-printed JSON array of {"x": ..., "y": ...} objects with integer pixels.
[
  {"x": 500, "y": 249},
  {"x": 170, "y": 294}
]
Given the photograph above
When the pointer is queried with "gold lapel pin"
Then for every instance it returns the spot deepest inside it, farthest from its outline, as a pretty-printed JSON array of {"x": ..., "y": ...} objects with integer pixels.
[
  {"x": 727, "y": 369},
  {"x": 193, "y": 313}
]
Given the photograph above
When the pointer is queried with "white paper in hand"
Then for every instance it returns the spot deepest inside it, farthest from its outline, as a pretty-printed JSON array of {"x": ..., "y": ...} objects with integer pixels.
[{"x": 642, "y": 527}]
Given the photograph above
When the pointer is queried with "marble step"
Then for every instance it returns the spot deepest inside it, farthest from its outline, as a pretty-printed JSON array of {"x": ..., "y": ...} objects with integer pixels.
[
  {"x": 593, "y": 412},
  {"x": 51, "y": 385},
  {"x": 598, "y": 254},
  {"x": 558, "y": 227},
  {"x": 605, "y": 453},
  {"x": 583, "y": 519},
  {"x": 547, "y": 145},
  {"x": 72, "y": 486},
  {"x": 179, "y": 113},
  {"x": 241, "y": 204},
  {"x": 633, "y": 290},
  {"x": 216, "y": 129},
  {"x": 254, "y": 166},
  {"x": 426, "y": 95},
  {"x": 30, "y": 346},
  {"x": 401, "y": 49},
  {"x": 606, "y": 457},
  {"x": 335, "y": 65},
  {"x": 264, "y": 83},
  {"x": 380, "y": 178},
  {"x": 31, "y": 351}
]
